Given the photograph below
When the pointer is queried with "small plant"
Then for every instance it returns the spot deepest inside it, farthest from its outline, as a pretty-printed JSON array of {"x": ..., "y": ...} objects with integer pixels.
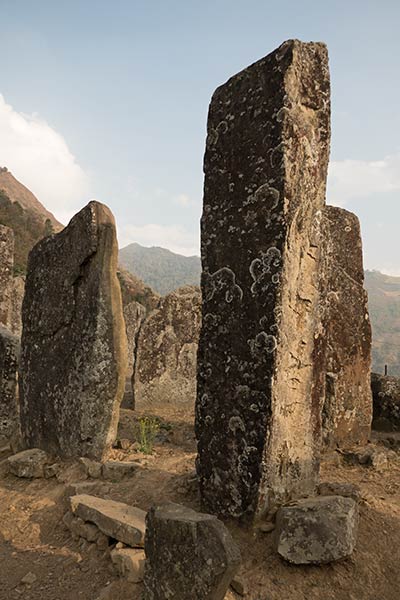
[{"x": 148, "y": 429}]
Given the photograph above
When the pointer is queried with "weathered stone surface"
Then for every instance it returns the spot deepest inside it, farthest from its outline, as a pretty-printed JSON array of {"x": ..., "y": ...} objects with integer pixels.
[
  {"x": 73, "y": 349},
  {"x": 28, "y": 463},
  {"x": 9, "y": 356},
  {"x": 17, "y": 297},
  {"x": 115, "y": 519},
  {"x": 189, "y": 555},
  {"x": 6, "y": 272},
  {"x": 386, "y": 399},
  {"x": 79, "y": 528},
  {"x": 347, "y": 408},
  {"x": 166, "y": 355},
  {"x": 129, "y": 563},
  {"x": 259, "y": 367},
  {"x": 117, "y": 470},
  {"x": 347, "y": 490},
  {"x": 134, "y": 314},
  {"x": 317, "y": 530}
]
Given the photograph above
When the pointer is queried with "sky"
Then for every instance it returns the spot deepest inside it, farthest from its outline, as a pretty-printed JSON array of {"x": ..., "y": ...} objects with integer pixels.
[{"x": 108, "y": 101}]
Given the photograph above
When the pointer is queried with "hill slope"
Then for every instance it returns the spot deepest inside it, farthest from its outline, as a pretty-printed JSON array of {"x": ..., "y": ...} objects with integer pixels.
[
  {"x": 161, "y": 269},
  {"x": 384, "y": 308},
  {"x": 22, "y": 211}
]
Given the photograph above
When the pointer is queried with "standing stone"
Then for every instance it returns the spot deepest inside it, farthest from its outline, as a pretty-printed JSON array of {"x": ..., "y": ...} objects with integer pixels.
[
  {"x": 347, "y": 409},
  {"x": 9, "y": 354},
  {"x": 386, "y": 398},
  {"x": 259, "y": 366},
  {"x": 6, "y": 273},
  {"x": 189, "y": 555},
  {"x": 17, "y": 297},
  {"x": 166, "y": 356},
  {"x": 134, "y": 315},
  {"x": 73, "y": 350}
]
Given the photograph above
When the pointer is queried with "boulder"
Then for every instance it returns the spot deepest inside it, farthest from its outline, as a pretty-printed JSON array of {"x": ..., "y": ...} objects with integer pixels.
[
  {"x": 317, "y": 530},
  {"x": 347, "y": 490},
  {"x": 260, "y": 363},
  {"x": 9, "y": 357},
  {"x": 73, "y": 348},
  {"x": 115, "y": 519},
  {"x": 129, "y": 563},
  {"x": 347, "y": 403},
  {"x": 165, "y": 370},
  {"x": 189, "y": 555},
  {"x": 29, "y": 463},
  {"x": 386, "y": 399},
  {"x": 114, "y": 470}
]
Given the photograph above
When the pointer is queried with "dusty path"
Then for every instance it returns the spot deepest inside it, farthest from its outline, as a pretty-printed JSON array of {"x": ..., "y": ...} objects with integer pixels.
[{"x": 33, "y": 539}]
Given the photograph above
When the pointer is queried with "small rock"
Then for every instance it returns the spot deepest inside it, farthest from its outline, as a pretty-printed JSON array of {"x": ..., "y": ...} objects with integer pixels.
[
  {"x": 267, "y": 527},
  {"x": 92, "y": 467},
  {"x": 239, "y": 586},
  {"x": 317, "y": 530},
  {"x": 28, "y": 463},
  {"x": 129, "y": 563},
  {"x": 72, "y": 473},
  {"x": 116, "y": 471},
  {"x": 347, "y": 490},
  {"x": 123, "y": 444},
  {"x": 29, "y": 578},
  {"x": 51, "y": 470}
]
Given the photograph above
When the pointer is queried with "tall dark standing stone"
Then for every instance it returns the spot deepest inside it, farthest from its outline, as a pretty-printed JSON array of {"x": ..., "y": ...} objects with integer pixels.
[
  {"x": 259, "y": 370},
  {"x": 9, "y": 354},
  {"x": 73, "y": 351},
  {"x": 6, "y": 273},
  {"x": 347, "y": 409}
]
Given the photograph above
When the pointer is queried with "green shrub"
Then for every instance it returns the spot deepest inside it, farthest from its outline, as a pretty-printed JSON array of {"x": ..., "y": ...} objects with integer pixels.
[{"x": 148, "y": 429}]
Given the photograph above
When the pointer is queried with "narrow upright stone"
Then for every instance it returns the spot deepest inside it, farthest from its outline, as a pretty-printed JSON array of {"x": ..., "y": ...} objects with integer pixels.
[
  {"x": 347, "y": 409},
  {"x": 9, "y": 355},
  {"x": 73, "y": 350},
  {"x": 259, "y": 368},
  {"x": 6, "y": 273},
  {"x": 165, "y": 370}
]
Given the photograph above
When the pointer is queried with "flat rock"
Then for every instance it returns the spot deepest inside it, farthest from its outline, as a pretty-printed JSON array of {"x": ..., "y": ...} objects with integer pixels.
[
  {"x": 317, "y": 530},
  {"x": 189, "y": 555},
  {"x": 114, "y": 470},
  {"x": 28, "y": 463},
  {"x": 115, "y": 519},
  {"x": 347, "y": 490},
  {"x": 129, "y": 563}
]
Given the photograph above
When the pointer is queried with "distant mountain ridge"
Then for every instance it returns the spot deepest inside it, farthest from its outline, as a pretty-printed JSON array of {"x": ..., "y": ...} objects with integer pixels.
[{"x": 161, "y": 269}]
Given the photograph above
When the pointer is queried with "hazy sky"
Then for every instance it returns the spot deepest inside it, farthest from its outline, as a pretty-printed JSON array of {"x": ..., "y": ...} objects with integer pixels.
[{"x": 108, "y": 100}]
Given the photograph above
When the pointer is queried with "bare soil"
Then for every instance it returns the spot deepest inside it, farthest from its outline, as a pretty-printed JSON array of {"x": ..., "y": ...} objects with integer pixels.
[{"x": 33, "y": 539}]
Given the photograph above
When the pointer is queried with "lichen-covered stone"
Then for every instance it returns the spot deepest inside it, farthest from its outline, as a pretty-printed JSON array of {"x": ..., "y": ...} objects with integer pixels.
[
  {"x": 386, "y": 398},
  {"x": 73, "y": 349},
  {"x": 6, "y": 273},
  {"x": 134, "y": 314},
  {"x": 259, "y": 367},
  {"x": 317, "y": 530},
  {"x": 189, "y": 555},
  {"x": 29, "y": 463},
  {"x": 347, "y": 407},
  {"x": 17, "y": 297},
  {"x": 165, "y": 370},
  {"x": 117, "y": 520},
  {"x": 9, "y": 356}
]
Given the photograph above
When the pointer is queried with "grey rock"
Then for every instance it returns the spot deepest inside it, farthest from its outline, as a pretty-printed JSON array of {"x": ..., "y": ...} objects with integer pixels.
[
  {"x": 189, "y": 555},
  {"x": 129, "y": 563},
  {"x": 317, "y": 530},
  {"x": 73, "y": 348},
  {"x": 117, "y": 471},
  {"x": 386, "y": 399},
  {"x": 134, "y": 315},
  {"x": 347, "y": 490},
  {"x": 6, "y": 273},
  {"x": 115, "y": 519},
  {"x": 29, "y": 579},
  {"x": 260, "y": 368},
  {"x": 165, "y": 370},
  {"x": 28, "y": 463},
  {"x": 93, "y": 467},
  {"x": 9, "y": 411},
  {"x": 347, "y": 405},
  {"x": 239, "y": 586}
]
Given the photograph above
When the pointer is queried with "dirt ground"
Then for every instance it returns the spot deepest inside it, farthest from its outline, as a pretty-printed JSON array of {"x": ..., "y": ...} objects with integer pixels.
[{"x": 34, "y": 541}]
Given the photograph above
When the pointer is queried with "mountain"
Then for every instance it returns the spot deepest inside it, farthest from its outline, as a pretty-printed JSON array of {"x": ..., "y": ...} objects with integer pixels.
[
  {"x": 384, "y": 308},
  {"x": 159, "y": 268},
  {"x": 22, "y": 211}
]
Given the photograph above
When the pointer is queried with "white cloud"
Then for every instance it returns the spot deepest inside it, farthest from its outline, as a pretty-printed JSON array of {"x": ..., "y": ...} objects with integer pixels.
[
  {"x": 39, "y": 157},
  {"x": 352, "y": 179},
  {"x": 173, "y": 237}
]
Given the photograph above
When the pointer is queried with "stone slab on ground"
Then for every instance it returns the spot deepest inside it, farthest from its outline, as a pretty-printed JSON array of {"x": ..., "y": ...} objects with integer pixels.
[
  {"x": 114, "y": 470},
  {"x": 317, "y": 530},
  {"x": 129, "y": 563},
  {"x": 29, "y": 463},
  {"x": 189, "y": 555},
  {"x": 124, "y": 523},
  {"x": 347, "y": 490}
]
